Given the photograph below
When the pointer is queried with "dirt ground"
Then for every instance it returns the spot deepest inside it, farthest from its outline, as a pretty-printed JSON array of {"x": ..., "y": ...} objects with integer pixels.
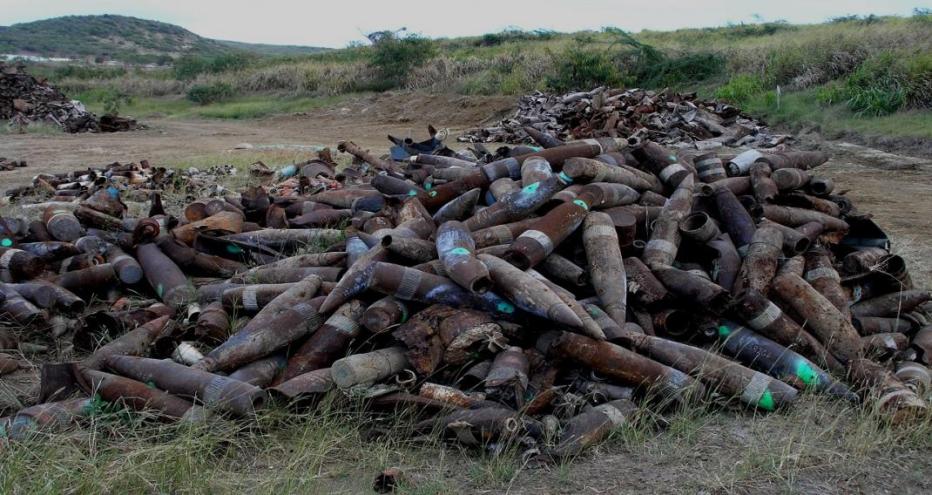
[{"x": 714, "y": 457}]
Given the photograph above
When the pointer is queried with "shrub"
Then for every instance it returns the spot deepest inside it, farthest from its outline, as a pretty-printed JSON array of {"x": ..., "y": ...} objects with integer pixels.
[
  {"x": 394, "y": 56},
  {"x": 740, "y": 88},
  {"x": 204, "y": 94},
  {"x": 579, "y": 66}
]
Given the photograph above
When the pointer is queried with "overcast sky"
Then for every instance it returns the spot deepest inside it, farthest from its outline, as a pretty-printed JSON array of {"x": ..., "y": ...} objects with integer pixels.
[{"x": 336, "y": 23}]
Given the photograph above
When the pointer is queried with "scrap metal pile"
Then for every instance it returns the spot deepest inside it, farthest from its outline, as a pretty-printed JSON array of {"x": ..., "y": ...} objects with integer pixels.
[
  {"x": 533, "y": 300},
  {"x": 6, "y": 164},
  {"x": 667, "y": 118},
  {"x": 25, "y": 100}
]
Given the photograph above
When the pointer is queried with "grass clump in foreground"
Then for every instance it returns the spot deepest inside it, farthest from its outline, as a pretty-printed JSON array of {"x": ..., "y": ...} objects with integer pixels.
[{"x": 818, "y": 445}]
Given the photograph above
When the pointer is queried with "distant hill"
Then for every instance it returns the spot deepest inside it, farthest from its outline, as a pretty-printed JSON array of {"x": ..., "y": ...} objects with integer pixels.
[{"x": 122, "y": 38}]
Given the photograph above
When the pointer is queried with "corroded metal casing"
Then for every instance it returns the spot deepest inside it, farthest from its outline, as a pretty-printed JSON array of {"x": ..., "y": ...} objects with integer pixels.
[{"x": 456, "y": 249}]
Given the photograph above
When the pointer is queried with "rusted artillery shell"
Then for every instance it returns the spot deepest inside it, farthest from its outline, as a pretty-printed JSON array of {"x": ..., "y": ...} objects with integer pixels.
[
  {"x": 767, "y": 356},
  {"x": 365, "y": 156},
  {"x": 795, "y": 217},
  {"x": 766, "y": 317},
  {"x": 450, "y": 395},
  {"x": 617, "y": 363},
  {"x": 891, "y": 304},
  {"x": 415, "y": 285},
  {"x": 342, "y": 198},
  {"x": 21, "y": 264},
  {"x": 44, "y": 416},
  {"x": 355, "y": 280},
  {"x": 507, "y": 379},
  {"x": 821, "y": 275},
  {"x": 186, "y": 353},
  {"x": 164, "y": 276},
  {"x": 333, "y": 259},
  {"x": 138, "y": 396},
  {"x": 456, "y": 249},
  {"x": 261, "y": 372},
  {"x": 765, "y": 189},
  {"x": 286, "y": 319},
  {"x": 606, "y": 266},
  {"x": 96, "y": 219},
  {"x": 127, "y": 268},
  {"x": 794, "y": 241},
  {"x": 662, "y": 162},
  {"x": 78, "y": 262},
  {"x": 501, "y": 188},
  {"x": 547, "y": 232},
  {"x": 214, "y": 391},
  {"x": 320, "y": 218},
  {"x": 392, "y": 186},
  {"x": 736, "y": 221},
  {"x": 645, "y": 289},
  {"x": 719, "y": 374},
  {"x": 306, "y": 387},
  {"x": 252, "y": 298},
  {"x": 589, "y": 325},
  {"x": 587, "y": 170},
  {"x": 383, "y": 314},
  {"x": 49, "y": 251},
  {"x": 821, "y": 186},
  {"x": 213, "y": 323},
  {"x": 528, "y": 293},
  {"x": 614, "y": 195},
  {"x": 726, "y": 259},
  {"x": 501, "y": 234},
  {"x": 534, "y": 170},
  {"x": 914, "y": 376},
  {"x": 224, "y": 222},
  {"x": 14, "y": 305},
  {"x": 760, "y": 263},
  {"x": 870, "y": 325},
  {"x": 709, "y": 168},
  {"x": 664, "y": 241},
  {"x": 542, "y": 138},
  {"x": 611, "y": 331},
  {"x": 288, "y": 239},
  {"x": 831, "y": 327},
  {"x": 592, "y": 426},
  {"x": 48, "y": 295},
  {"x": 699, "y": 227},
  {"x": 563, "y": 270},
  {"x": 62, "y": 224},
  {"x": 804, "y": 160},
  {"x": 368, "y": 368},
  {"x": 693, "y": 289},
  {"x": 288, "y": 275},
  {"x": 788, "y": 179},
  {"x": 328, "y": 342},
  {"x": 518, "y": 204},
  {"x": 136, "y": 342},
  {"x": 198, "y": 262},
  {"x": 891, "y": 394},
  {"x": 459, "y": 208},
  {"x": 863, "y": 260}
]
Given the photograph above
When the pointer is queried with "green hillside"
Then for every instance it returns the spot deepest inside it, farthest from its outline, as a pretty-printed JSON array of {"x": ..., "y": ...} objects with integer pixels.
[{"x": 126, "y": 39}]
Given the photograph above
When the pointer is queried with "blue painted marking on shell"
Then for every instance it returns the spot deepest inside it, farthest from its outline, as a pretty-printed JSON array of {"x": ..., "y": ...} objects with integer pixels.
[
  {"x": 233, "y": 249},
  {"x": 433, "y": 193},
  {"x": 412, "y": 192},
  {"x": 6, "y": 242},
  {"x": 565, "y": 178},
  {"x": 531, "y": 189},
  {"x": 113, "y": 192},
  {"x": 459, "y": 251},
  {"x": 428, "y": 186},
  {"x": 580, "y": 203}
]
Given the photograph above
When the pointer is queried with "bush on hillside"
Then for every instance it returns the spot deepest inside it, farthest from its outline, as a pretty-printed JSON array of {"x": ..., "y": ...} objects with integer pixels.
[
  {"x": 394, "y": 55},
  {"x": 205, "y": 94}
]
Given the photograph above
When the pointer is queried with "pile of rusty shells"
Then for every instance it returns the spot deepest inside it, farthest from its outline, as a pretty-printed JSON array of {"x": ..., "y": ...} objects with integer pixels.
[{"x": 542, "y": 298}]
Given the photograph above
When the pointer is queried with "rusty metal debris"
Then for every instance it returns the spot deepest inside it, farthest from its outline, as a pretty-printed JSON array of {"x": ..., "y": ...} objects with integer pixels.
[
  {"x": 26, "y": 100},
  {"x": 529, "y": 300},
  {"x": 665, "y": 117}
]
